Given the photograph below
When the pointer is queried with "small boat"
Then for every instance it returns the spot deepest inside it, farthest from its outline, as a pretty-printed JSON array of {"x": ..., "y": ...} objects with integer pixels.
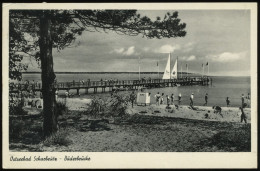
[{"x": 168, "y": 74}]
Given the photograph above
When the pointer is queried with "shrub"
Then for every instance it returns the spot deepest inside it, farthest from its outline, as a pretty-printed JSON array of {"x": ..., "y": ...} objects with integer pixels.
[
  {"x": 16, "y": 107},
  {"x": 94, "y": 108},
  {"x": 114, "y": 106},
  {"x": 118, "y": 104},
  {"x": 61, "y": 108},
  {"x": 58, "y": 138},
  {"x": 18, "y": 127}
]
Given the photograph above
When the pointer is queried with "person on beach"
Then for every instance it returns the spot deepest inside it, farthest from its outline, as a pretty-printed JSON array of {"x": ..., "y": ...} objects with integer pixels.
[
  {"x": 56, "y": 94},
  {"x": 132, "y": 98},
  {"x": 179, "y": 98},
  {"x": 31, "y": 94},
  {"x": 41, "y": 95},
  {"x": 34, "y": 94},
  {"x": 168, "y": 100},
  {"x": 217, "y": 110},
  {"x": 33, "y": 84},
  {"x": 157, "y": 98},
  {"x": 248, "y": 99},
  {"x": 206, "y": 99},
  {"x": 66, "y": 94},
  {"x": 243, "y": 100},
  {"x": 243, "y": 116},
  {"x": 228, "y": 101},
  {"x": 191, "y": 99},
  {"x": 26, "y": 100},
  {"x": 162, "y": 101},
  {"x": 172, "y": 99}
]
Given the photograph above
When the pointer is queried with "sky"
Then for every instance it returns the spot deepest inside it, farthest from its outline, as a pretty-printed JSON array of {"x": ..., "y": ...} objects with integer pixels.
[{"x": 219, "y": 37}]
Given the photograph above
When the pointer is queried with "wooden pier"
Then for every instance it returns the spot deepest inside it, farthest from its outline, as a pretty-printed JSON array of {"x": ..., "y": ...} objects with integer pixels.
[{"x": 112, "y": 85}]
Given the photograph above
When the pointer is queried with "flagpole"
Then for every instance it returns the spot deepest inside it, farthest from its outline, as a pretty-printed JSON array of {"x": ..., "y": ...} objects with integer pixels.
[
  {"x": 187, "y": 70},
  {"x": 181, "y": 71},
  {"x": 158, "y": 67},
  {"x": 208, "y": 69},
  {"x": 139, "y": 69},
  {"x": 202, "y": 70}
]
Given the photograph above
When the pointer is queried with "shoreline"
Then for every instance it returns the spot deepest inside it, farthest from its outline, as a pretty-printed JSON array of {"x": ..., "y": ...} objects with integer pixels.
[{"x": 230, "y": 114}]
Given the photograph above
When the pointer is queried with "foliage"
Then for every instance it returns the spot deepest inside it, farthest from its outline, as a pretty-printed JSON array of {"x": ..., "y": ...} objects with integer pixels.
[
  {"x": 114, "y": 106},
  {"x": 16, "y": 107},
  {"x": 95, "y": 106},
  {"x": 118, "y": 104},
  {"x": 18, "y": 127},
  {"x": 61, "y": 108},
  {"x": 17, "y": 44},
  {"x": 58, "y": 138}
]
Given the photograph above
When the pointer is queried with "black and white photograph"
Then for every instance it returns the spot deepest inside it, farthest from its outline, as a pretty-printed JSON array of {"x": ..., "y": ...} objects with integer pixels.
[{"x": 163, "y": 79}]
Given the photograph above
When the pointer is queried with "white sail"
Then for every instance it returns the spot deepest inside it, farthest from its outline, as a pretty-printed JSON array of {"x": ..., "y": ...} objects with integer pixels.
[
  {"x": 174, "y": 70},
  {"x": 167, "y": 70}
]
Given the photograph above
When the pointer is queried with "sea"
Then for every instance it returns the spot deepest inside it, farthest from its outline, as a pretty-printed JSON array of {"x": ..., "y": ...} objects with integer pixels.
[{"x": 221, "y": 88}]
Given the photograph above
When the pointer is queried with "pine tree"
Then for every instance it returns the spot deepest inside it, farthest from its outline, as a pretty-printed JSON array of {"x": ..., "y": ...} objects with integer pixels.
[{"x": 37, "y": 32}]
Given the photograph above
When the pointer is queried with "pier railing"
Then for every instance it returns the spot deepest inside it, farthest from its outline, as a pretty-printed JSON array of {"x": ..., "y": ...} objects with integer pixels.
[{"x": 110, "y": 83}]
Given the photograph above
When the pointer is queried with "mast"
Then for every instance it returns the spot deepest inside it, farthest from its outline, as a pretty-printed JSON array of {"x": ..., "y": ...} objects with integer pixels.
[
  {"x": 170, "y": 67},
  {"x": 177, "y": 69}
]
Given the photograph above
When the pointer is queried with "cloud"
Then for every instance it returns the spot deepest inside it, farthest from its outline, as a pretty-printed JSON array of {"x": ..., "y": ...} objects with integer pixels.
[
  {"x": 129, "y": 51},
  {"x": 119, "y": 51},
  {"x": 146, "y": 49},
  {"x": 189, "y": 58},
  {"x": 123, "y": 51},
  {"x": 226, "y": 57},
  {"x": 188, "y": 47},
  {"x": 167, "y": 48}
]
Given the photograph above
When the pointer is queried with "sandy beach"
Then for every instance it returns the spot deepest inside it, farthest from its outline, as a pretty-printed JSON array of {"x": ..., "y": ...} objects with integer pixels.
[
  {"x": 230, "y": 114},
  {"x": 144, "y": 129}
]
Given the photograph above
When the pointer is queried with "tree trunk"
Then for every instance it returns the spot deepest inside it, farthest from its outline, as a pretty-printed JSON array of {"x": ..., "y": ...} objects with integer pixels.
[{"x": 48, "y": 76}]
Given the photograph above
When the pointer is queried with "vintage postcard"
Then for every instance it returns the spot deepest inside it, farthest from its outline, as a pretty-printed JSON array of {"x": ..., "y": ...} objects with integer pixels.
[{"x": 129, "y": 85}]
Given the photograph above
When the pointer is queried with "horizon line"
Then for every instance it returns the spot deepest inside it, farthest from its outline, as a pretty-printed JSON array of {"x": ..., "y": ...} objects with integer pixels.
[{"x": 144, "y": 72}]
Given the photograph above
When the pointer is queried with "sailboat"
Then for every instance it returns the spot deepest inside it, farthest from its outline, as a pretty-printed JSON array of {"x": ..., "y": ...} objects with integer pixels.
[
  {"x": 174, "y": 70},
  {"x": 167, "y": 70},
  {"x": 170, "y": 75}
]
